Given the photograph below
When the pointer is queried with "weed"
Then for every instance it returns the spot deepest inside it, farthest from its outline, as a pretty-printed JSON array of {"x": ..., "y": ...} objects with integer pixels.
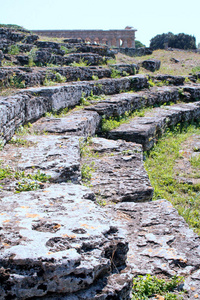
[
  {"x": 24, "y": 130},
  {"x": 111, "y": 61},
  {"x": 186, "y": 80},
  {"x": 94, "y": 77},
  {"x": 147, "y": 286},
  {"x": 13, "y": 50},
  {"x": 1, "y": 144},
  {"x": 5, "y": 172},
  {"x": 151, "y": 83},
  {"x": 114, "y": 122},
  {"x": 16, "y": 81},
  {"x": 196, "y": 70},
  {"x": 27, "y": 185},
  {"x": 124, "y": 73},
  {"x": 32, "y": 55},
  {"x": 115, "y": 73},
  {"x": 7, "y": 63},
  {"x": 59, "y": 77},
  {"x": 81, "y": 63},
  {"x": 65, "y": 49},
  {"x": 195, "y": 161},
  {"x": 57, "y": 113},
  {"x": 86, "y": 173},
  {"x": 83, "y": 100},
  {"x": 19, "y": 142}
]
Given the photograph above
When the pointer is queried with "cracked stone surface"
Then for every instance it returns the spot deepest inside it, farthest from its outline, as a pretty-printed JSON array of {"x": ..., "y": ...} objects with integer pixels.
[
  {"x": 59, "y": 242},
  {"x": 83, "y": 123},
  {"x": 118, "y": 173},
  {"x": 56, "y": 156},
  {"x": 145, "y": 130},
  {"x": 117, "y": 105},
  {"x": 160, "y": 242}
]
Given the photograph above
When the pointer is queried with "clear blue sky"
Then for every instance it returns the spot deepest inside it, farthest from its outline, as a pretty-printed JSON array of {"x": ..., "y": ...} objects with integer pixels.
[{"x": 149, "y": 17}]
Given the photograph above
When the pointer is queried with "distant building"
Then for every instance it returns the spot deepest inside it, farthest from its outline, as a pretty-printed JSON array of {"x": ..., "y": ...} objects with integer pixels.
[{"x": 116, "y": 38}]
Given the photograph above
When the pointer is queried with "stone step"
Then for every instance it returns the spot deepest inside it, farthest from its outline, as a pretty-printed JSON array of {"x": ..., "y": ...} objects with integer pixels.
[
  {"x": 146, "y": 130},
  {"x": 118, "y": 173},
  {"x": 31, "y": 104},
  {"x": 160, "y": 242},
  {"x": 118, "y": 105},
  {"x": 86, "y": 122},
  {"x": 55, "y": 156},
  {"x": 79, "y": 123},
  {"x": 58, "y": 242}
]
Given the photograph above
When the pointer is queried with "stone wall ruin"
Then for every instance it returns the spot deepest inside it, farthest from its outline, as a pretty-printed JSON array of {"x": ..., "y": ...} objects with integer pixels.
[{"x": 117, "y": 38}]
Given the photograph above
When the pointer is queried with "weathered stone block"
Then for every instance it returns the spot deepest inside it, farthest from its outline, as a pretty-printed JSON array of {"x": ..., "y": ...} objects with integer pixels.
[
  {"x": 151, "y": 64},
  {"x": 145, "y": 130},
  {"x": 43, "y": 254},
  {"x": 56, "y": 156},
  {"x": 81, "y": 123},
  {"x": 119, "y": 174}
]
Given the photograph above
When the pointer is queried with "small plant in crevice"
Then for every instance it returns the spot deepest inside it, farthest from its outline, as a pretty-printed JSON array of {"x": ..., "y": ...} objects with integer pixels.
[
  {"x": 19, "y": 142},
  {"x": 145, "y": 287},
  {"x": 115, "y": 73},
  {"x": 94, "y": 77},
  {"x": 27, "y": 185},
  {"x": 81, "y": 63},
  {"x": 114, "y": 122},
  {"x": 86, "y": 172},
  {"x": 16, "y": 81},
  {"x": 24, "y": 130},
  {"x": 1, "y": 144},
  {"x": 13, "y": 50}
]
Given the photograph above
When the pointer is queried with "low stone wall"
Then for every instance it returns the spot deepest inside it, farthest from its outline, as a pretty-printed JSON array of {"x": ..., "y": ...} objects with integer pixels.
[{"x": 31, "y": 104}]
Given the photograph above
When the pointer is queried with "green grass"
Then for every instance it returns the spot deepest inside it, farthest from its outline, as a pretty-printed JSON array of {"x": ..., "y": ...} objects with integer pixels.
[
  {"x": 24, "y": 182},
  {"x": 81, "y": 63},
  {"x": 195, "y": 161},
  {"x": 160, "y": 162},
  {"x": 114, "y": 122},
  {"x": 144, "y": 287}
]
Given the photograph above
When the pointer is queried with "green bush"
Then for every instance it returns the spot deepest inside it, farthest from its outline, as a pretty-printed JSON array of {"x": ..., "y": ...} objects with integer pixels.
[{"x": 147, "y": 286}]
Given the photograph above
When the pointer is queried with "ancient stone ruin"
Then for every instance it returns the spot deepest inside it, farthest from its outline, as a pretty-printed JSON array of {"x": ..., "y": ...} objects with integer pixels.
[
  {"x": 60, "y": 238},
  {"x": 118, "y": 38}
]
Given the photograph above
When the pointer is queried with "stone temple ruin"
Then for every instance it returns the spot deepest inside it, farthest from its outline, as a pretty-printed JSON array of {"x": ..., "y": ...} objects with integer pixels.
[
  {"x": 117, "y": 38},
  {"x": 59, "y": 238}
]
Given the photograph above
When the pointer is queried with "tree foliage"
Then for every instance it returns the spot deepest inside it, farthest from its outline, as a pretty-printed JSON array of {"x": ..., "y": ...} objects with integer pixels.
[
  {"x": 138, "y": 44},
  {"x": 179, "y": 41}
]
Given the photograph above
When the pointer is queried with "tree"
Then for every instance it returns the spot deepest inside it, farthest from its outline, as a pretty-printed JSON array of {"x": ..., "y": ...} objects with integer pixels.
[
  {"x": 180, "y": 41},
  {"x": 161, "y": 41},
  {"x": 138, "y": 44}
]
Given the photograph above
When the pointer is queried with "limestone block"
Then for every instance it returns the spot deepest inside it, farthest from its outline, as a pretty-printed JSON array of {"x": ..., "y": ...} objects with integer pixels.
[
  {"x": 56, "y": 156},
  {"x": 81, "y": 123},
  {"x": 145, "y": 130},
  {"x": 58, "y": 242},
  {"x": 118, "y": 172},
  {"x": 151, "y": 64},
  {"x": 160, "y": 242}
]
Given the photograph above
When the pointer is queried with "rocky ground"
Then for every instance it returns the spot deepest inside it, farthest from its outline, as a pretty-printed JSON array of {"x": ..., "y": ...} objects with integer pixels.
[{"x": 59, "y": 238}]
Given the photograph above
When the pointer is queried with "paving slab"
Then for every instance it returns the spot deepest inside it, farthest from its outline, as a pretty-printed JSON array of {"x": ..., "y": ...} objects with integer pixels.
[
  {"x": 84, "y": 123},
  {"x": 118, "y": 173},
  {"x": 55, "y": 156}
]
